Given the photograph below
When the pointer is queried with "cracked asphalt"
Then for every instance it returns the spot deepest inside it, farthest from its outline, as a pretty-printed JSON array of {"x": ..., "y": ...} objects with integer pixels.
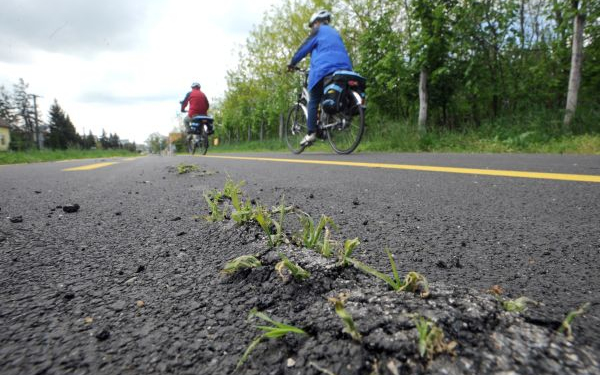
[{"x": 129, "y": 282}]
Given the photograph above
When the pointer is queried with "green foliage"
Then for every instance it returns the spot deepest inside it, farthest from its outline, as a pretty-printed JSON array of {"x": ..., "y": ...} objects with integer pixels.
[
  {"x": 517, "y": 305},
  {"x": 349, "y": 326},
  {"x": 274, "y": 331},
  {"x": 35, "y": 156},
  {"x": 346, "y": 251},
  {"x": 186, "y": 168},
  {"x": 312, "y": 233},
  {"x": 431, "y": 339},
  {"x": 213, "y": 200},
  {"x": 413, "y": 282},
  {"x": 263, "y": 217},
  {"x": 239, "y": 263},
  {"x": 285, "y": 264},
  {"x": 486, "y": 60},
  {"x": 565, "y": 326}
]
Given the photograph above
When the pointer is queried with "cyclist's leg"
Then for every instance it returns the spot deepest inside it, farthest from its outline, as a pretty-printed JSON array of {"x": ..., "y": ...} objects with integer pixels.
[
  {"x": 186, "y": 123},
  {"x": 315, "y": 95}
]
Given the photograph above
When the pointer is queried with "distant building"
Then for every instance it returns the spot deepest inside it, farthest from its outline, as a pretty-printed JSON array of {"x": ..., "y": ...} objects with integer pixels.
[{"x": 4, "y": 135}]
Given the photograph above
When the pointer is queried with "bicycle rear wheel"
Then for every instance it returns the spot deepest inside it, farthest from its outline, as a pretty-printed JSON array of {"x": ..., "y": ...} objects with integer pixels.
[
  {"x": 203, "y": 143},
  {"x": 191, "y": 145},
  {"x": 345, "y": 136},
  {"x": 295, "y": 128}
]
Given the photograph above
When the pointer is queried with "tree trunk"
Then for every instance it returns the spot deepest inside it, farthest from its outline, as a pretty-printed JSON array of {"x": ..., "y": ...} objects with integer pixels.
[
  {"x": 262, "y": 130},
  {"x": 576, "y": 62},
  {"x": 423, "y": 102},
  {"x": 249, "y": 132}
]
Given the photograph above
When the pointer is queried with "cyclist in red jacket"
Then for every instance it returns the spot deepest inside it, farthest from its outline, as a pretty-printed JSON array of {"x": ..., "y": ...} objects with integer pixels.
[{"x": 198, "y": 105}]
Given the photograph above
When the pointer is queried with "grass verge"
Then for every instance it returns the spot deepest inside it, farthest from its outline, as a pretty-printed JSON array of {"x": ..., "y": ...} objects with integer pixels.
[{"x": 36, "y": 156}]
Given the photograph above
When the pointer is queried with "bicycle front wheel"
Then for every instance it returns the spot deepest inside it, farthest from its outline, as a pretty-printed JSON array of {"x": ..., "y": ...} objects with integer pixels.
[
  {"x": 349, "y": 127},
  {"x": 295, "y": 128}
]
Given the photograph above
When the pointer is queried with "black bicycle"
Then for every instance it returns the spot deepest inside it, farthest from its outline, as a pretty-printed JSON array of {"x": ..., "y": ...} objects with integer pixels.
[
  {"x": 200, "y": 128},
  {"x": 341, "y": 113}
]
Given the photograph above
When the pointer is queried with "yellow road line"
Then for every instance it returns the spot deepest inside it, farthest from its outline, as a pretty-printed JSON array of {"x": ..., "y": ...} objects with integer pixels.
[
  {"x": 426, "y": 168},
  {"x": 90, "y": 167}
]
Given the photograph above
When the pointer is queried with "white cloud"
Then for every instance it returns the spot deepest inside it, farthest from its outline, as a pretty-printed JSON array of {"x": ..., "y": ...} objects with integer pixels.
[{"x": 122, "y": 66}]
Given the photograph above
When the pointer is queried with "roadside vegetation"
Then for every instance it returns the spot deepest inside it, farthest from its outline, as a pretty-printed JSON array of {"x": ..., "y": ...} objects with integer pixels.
[
  {"x": 491, "y": 76},
  {"x": 36, "y": 156}
]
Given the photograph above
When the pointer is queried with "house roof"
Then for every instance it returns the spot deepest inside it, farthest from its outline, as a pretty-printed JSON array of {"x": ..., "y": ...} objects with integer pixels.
[{"x": 4, "y": 124}]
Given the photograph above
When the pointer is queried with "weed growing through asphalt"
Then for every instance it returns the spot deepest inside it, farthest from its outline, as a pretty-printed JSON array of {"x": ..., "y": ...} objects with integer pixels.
[
  {"x": 349, "y": 326},
  {"x": 565, "y": 326},
  {"x": 295, "y": 270},
  {"x": 431, "y": 339},
  {"x": 413, "y": 281},
  {"x": 273, "y": 229},
  {"x": 326, "y": 247},
  {"x": 347, "y": 250},
  {"x": 312, "y": 233},
  {"x": 213, "y": 199},
  {"x": 275, "y": 330},
  {"x": 231, "y": 189},
  {"x": 239, "y": 263},
  {"x": 517, "y": 305},
  {"x": 186, "y": 168}
]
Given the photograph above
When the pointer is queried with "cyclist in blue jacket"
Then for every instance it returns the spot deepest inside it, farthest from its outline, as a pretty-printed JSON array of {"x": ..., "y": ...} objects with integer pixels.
[{"x": 327, "y": 54}]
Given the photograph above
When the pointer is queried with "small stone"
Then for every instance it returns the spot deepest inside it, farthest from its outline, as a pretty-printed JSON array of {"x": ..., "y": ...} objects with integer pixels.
[
  {"x": 311, "y": 196},
  {"x": 176, "y": 218},
  {"x": 38, "y": 192},
  {"x": 88, "y": 320},
  {"x": 117, "y": 306},
  {"x": 130, "y": 281},
  {"x": 356, "y": 202},
  {"x": 441, "y": 264},
  {"x": 103, "y": 335},
  {"x": 181, "y": 234},
  {"x": 71, "y": 208},
  {"x": 117, "y": 213},
  {"x": 69, "y": 296},
  {"x": 365, "y": 222},
  {"x": 291, "y": 362},
  {"x": 140, "y": 304},
  {"x": 141, "y": 268},
  {"x": 16, "y": 219}
]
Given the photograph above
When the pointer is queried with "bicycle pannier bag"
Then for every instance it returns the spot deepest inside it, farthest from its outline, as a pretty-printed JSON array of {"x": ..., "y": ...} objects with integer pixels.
[{"x": 331, "y": 98}]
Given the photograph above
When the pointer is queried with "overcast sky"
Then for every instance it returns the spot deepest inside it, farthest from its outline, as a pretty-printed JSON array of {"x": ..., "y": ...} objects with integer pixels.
[{"x": 122, "y": 65}]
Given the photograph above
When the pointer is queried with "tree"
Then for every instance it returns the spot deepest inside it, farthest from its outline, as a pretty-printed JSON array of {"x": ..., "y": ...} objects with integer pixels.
[
  {"x": 62, "y": 132},
  {"x": 104, "y": 141},
  {"x": 156, "y": 143},
  {"x": 576, "y": 60},
  {"x": 25, "y": 110}
]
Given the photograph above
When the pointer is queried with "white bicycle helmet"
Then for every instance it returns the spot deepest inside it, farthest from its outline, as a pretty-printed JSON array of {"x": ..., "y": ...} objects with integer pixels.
[
  {"x": 322, "y": 15},
  {"x": 195, "y": 84}
]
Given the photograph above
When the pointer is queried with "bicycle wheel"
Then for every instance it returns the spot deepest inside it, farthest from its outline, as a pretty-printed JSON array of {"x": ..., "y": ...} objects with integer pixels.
[
  {"x": 203, "y": 143},
  {"x": 296, "y": 128},
  {"x": 345, "y": 136},
  {"x": 191, "y": 143}
]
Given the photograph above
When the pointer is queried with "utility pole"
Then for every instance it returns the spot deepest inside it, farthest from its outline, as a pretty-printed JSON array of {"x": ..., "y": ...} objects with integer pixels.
[{"x": 37, "y": 125}]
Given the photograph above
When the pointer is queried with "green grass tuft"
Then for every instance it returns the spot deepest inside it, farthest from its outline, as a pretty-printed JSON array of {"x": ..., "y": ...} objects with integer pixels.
[
  {"x": 565, "y": 327},
  {"x": 431, "y": 339},
  {"x": 275, "y": 330},
  {"x": 240, "y": 263},
  {"x": 285, "y": 264},
  {"x": 349, "y": 326}
]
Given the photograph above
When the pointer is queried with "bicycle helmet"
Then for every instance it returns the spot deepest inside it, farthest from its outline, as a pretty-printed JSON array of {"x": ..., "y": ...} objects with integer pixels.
[
  {"x": 322, "y": 15},
  {"x": 195, "y": 85}
]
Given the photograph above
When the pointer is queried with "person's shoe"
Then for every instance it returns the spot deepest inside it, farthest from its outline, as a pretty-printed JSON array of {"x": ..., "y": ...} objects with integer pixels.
[{"x": 308, "y": 139}]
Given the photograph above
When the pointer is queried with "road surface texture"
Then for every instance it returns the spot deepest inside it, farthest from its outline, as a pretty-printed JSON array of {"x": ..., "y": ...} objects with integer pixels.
[{"x": 130, "y": 282}]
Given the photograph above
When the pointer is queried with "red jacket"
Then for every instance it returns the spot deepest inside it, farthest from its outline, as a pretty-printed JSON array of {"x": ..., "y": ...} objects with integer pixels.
[{"x": 198, "y": 103}]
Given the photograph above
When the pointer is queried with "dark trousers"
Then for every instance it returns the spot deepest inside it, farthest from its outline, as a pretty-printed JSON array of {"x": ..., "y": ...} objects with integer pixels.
[{"x": 314, "y": 98}]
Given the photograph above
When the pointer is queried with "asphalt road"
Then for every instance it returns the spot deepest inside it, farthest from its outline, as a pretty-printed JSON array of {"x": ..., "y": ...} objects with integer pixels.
[{"x": 534, "y": 235}]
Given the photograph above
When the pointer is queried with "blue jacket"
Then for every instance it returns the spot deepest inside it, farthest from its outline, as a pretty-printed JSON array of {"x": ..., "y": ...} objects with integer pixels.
[{"x": 328, "y": 54}]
